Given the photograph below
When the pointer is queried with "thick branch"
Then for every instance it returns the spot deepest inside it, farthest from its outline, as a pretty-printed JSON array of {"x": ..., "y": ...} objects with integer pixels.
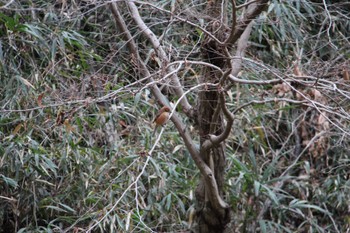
[
  {"x": 241, "y": 47},
  {"x": 206, "y": 172},
  {"x": 251, "y": 14},
  {"x": 161, "y": 53},
  {"x": 233, "y": 26},
  {"x": 232, "y": 77},
  {"x": 126, "y": 35},
  {"x": 215, "y": 140}
]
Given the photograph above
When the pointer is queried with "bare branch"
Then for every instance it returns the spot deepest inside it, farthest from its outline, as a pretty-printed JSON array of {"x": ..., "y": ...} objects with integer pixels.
[
  {"x": 232, "y": 77},
  {"x": 210, "y": 35},
  {"x": 233, "y": 26},
  {"x": 246, "y": 4},
  {"x": 126, "y": 35},
  {"x": 7, "y": 4},
  {"x": 239, "y": 108},
  {"x": 215, "y": 140},
  {"x": 161, "y": 53}
]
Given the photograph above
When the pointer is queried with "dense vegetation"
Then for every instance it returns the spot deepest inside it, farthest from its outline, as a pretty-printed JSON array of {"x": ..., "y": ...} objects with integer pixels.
[{"x": 76, "y": 119}]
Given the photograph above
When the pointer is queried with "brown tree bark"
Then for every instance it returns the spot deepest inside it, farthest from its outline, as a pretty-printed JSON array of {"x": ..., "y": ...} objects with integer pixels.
[
  {"x": 210, "y": 121},
  {"x": 210, "y": 218}
]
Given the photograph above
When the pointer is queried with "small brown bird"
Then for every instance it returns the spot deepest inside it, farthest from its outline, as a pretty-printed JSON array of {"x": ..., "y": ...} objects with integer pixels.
[{"x": 161, "y": 118}]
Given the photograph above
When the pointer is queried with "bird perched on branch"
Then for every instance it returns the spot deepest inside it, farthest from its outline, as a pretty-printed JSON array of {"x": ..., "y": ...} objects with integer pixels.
[{"x": 161, "y": 118}]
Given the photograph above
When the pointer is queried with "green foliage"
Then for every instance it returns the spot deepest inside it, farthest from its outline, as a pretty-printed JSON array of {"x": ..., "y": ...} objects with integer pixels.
[
  {"x": 291, "y": 27},
  {"x": 311, "y": 196},
  {"x": 60, "y": 168},
  {"x": 71, "y": 160}
]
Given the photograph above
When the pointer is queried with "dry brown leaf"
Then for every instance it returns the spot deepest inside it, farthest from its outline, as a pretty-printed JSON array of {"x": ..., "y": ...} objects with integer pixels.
[
  {"x": 17, "y": 128},
  {"x": 346, "y": 75},
  {"x": 40, "y": 99},
  {"x": 299, "y": 96},
  {"x": 59, "y": 118},
  {"x": 69, "y": 127},
  {"x": 126, "y": 132},
  {"x": 304, "y": 132},
  {"x": 123, "y": 124},
  {"x": 296, "y": 71},
  {"x": 316, "y": 94},
  {"x": 321, "y": 120},
  {"x": 281, "y": 89}
]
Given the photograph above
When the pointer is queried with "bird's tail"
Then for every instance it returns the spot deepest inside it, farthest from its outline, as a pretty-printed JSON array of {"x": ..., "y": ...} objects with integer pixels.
[{"x": 155, "y": 130}]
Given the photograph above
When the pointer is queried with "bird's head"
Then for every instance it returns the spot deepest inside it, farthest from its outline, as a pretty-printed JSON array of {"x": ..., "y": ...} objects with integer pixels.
[{"x": 164, "y": 109}]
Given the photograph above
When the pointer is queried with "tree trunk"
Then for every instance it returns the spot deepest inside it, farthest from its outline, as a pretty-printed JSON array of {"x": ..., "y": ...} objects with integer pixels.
[
  {"x": 209, "y": 219},
  {"x": 210, "y": 120}
]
